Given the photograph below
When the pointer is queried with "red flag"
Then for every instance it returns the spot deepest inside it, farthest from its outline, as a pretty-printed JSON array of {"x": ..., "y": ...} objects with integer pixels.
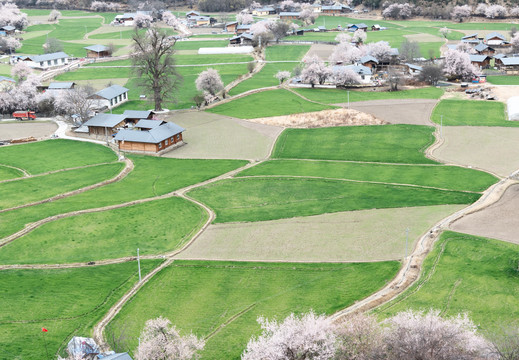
[{"x": 44, "y": 330}]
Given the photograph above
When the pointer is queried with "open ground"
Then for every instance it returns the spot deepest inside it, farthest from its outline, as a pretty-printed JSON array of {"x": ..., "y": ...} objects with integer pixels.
[
  {"x": 408, "y": 111},
  {"x": 38, "y": 130}
]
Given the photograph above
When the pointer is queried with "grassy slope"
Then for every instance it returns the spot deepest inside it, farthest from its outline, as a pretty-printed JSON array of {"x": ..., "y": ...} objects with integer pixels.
[
  {"x": 43, "y": 156},
  {"x": 389, "y": 143},
  {"x": 474, "y": 275},
  {"x": 223, "y": 289},
  {"x": 447, "y": 177},
  {"x": 336, "y": 96},
  {"x": 471, "y": 113},
  {"x": 154, "y": 227},
  {"x": 27, "y": 190},
  {"x": 67, "y": 302},
  {"x": 260, "y": 199},
  {"x": 265, "y": 104},
  {"x": 9, "y": 173},
  {"x": 151, "y": 176}
]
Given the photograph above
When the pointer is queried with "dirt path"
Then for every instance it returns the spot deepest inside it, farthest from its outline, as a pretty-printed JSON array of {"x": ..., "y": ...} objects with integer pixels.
[{"x": 25, "y": 173}]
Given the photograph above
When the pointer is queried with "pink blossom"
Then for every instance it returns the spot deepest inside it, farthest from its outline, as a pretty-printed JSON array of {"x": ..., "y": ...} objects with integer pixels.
[
  {"x": 282, "y": 76},
  {"x": 142, "y": 20},
  {"x": 210, "y": 81},
  {"x": 345, "y": 53},
  {"x": 11, "y": 15},
  {"x": 359, "y": 36},
  {"x": 495, "y": 12},
  {"x": 379, "y": 50},
  {"x": 244, "y": 18},
  {"x": 343, "y": 37},
  {"x": 345, "y": 76},
  {"x": 460, "y": 12},
  {"x": 457, "y": 64}
]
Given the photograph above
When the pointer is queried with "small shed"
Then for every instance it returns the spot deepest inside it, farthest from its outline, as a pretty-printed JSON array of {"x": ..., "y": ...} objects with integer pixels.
[
  {"x": 375, "y": 27},
  {"x": 8, "y": 29},
  {"x": 513, "y": 108},
  {"x": 242, "y": 28},
  {"x": 288, "y": 15},
  {"x": 133, "y": 116},
  {"x": 111, "y": 96},
  {"x": 231, "y": 26},
  {"x": 98, "y": 51},
  {"x": 105, "y": 124},
  {"x": 56, "y": 87},
  {"x": 154, "y": 140}
]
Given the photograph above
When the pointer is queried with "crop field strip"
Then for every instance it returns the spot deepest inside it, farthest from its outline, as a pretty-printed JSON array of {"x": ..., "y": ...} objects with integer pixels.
[
  {"x": 471, "y": 113},
  {"x": 9, "y": 173},
  {"x": 226, "y": 289}
]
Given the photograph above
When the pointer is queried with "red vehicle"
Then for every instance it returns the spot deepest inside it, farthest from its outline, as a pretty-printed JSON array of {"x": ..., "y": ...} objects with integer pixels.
[{"x": 24, "y": 115}]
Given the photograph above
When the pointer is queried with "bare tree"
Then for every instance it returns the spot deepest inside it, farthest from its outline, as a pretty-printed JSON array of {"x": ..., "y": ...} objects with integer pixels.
[
  {"x": 52, "y": 45},
  {"x": 279, "y": 30},
  {"x": 154, "y": 64},
  {"x": 505, "y": 342},
  {"x": 409, "y": 50},
  {"x": 75, "y": 102},
  {"x": 431, "y": 74},
  {"x": 394, "y": 78}
]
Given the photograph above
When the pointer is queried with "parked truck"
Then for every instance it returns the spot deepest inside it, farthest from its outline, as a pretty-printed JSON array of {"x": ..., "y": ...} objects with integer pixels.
[{"x": 24, "y": 115}]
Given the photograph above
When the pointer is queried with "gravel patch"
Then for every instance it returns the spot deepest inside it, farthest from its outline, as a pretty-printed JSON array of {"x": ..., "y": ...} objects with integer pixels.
[
  {"x": 19, "y": 130},
  {"x": 406, "y": 111}
]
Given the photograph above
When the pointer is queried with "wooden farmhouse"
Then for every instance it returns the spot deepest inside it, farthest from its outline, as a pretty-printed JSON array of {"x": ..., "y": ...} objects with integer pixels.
[
  {"x": 110, "y": 97},
  {"x": 288, "y": 15},
  {"x": 134, "y": 116},
  {"x": 8, "y": 29},
  {"x": 375, "y": 27},
  {"x": 263, "y": 11},
  {"x": 495, "y": 39},
  {"x": 199, "y": 20},
  {"x": 105, "y": 124},
  {"x": 98, "y": 51},
  {"x": 331, "y": 10},
  {"x": 46, "y": 61},
  {"x": 510, "y": 65},
  {"x": 480, "y": 61},
  {"x": 57, "y": 87},
  {"x": 483, "y": 49},
  {"x": 369, "y": 61},
  {"x": 231, "y": 26},
  {"x": 242, "y": 28},
  {"x": 149, "y": 136},
  {"x": 192, "y": 13},
  {"x": 355, "y": 27}
]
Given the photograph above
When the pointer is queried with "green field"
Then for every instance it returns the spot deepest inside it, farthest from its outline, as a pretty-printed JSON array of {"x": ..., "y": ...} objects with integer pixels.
[
  {"x": 471, "y": 113},
  {"x": 195, "y": 45},
  {"x": 260, "y": 199},
  {"x": 469, "y": 274},
  {"x": 67, "y": 302},
  {"x": 336, "y": 96},
  {"x": 43, "y": 156},
  {"x": 225, "y": 289},
  {"x": 38, "y": 188},
  {"x": 265, "y": 104},
  {"x": 185, "y": 60},
  {"x": 151, "y": 176},
  {"x": 7, "y": 173},
  {"x": 503, "y": 80},
  {"x": 388, "y": 143},
  {"x": 154, "y": 227},
  {"x": 444, "y": 177}
]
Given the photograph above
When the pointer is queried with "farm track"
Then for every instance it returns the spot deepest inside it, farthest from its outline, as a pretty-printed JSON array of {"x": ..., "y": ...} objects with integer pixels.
[
  {"x": 127, "y": 169},
  {"x": 25, "y": 173}
]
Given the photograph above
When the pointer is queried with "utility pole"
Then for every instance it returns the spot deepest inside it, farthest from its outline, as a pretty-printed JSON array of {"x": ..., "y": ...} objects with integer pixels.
[
  {"x": 139, "y": 264},
  {"x": 406, "y": 240}
]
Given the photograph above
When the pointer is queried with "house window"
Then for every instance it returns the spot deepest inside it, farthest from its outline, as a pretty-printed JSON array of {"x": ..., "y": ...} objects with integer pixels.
[
  {"x": 49, "y": 63},
  {"x": 56, "y": 62},
  {"x": 111, "y": 102},
  {"x": 41, "y": 63},
  {"x": 178, "y": 137},
  {"x": 120, "y": 98},
  {"x": 167, "y": 142},
  {"x": 172, "y": 138},
  {"x": 160, "y": 145}
]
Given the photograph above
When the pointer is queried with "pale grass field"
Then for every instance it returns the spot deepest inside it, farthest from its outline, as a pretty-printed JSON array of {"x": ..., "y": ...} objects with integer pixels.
[
  {"x": 398, "y": 111},
  {"x": 490, "y": 148},
  {"x": 367, "y": 235},
  {"x": 498, "y": 221},
  {"x": 213, "y": 136}
]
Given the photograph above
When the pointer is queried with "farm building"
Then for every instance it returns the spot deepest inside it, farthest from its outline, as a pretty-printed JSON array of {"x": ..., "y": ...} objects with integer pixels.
[
  {"x": 8, "y": 29},
  {"x": 495, "y": 39},
  {"x": 355, "y": 27},
  {"x": 6, "y": 83},
  {"x": 105, "y": 124},
  {"x": 498, "y": 58},
  {"x": 288, "y": 15},
  {"x": 263, "y": 11},
  {"x": 240, "y": 29},
  {"x": 199, "y": 20},
  {"x": 473, "y": 36},
  {"x": 364, "y": 71},
  {"x": 413, "y": 69},
  {"x": 375, "y": 27},
  {"x": 480, "y": 61},
  {"x": 369, "y": 61},
  {"x": 155, "y": 136},
  {"x": 56, "y": 87},
  {"x": 192, "y": 13},
  {"x": 133, "y": 116},
  {"x": 483, "y": 49},
  {"x": 98, "y": 51},
  {"x": 231, "y": 26},
  {"x": 46, "y": 61},
  {"x": 331, "y": 10},
  {"x": 510, "y": 65},
  {"x": 111, "y": 96}
]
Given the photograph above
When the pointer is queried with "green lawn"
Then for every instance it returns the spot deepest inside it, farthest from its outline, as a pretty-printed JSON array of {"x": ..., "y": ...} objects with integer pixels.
[
  {"x": 151, "y": 176},
  {"x": 313, "y": 36},
  {"x": 195, "y": 45},
  {"x": 9, "y": 173},
  {"x": 503, "y": 80},
  {"x": 260, "y": 199},
  {"x": 471, "y": 113},
  {"x": 67, "y": 302},
  {"x": 335, "y": 96},
  {"x": 43, "y": 156},
  {"x": 386, "y": 143},
  {"x": 89, "y": 73},
  {"x": 445, "y": 177},
  {"x": 264, "y": 78},
  {"x": 201, "y": 296},
  {"x": 209, "y": 36},
  {"x": 469, "y": 274},
  {"x": 28, "y": 190},
  {"x": 185, "y": 60},
  {"x": 285, "y": 52},
  {"x": 155, "y": 227},
  {"x": 267, "y": 103}
]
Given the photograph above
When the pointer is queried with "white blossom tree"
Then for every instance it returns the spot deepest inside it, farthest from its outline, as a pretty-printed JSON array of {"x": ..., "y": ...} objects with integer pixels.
[
  {"x": 457, "y": 65},
  {"x": 346, "y": 77},
  {"x": 464, "y": 48},
  {"x": 514, "y": 12},
  {"x": 142, "y": 21},
  {"x": 11, "y": 15},
  {"x": 244, "y": 18},
  {"x": 104, "y": 6},
  {"x": 444, "y": 31},
  {"x": 427, "y": 336},
  {"x": 282, "y": 76},
  {"x": 170, "y": 19},
  {"x": 209, "y": 81},
  {"x": 495, "y": 11},
  {"x": 254, "y": 5},
  {"x": 345, "y": 53},
  {"x": 343, "y": 37},
  {"x": 359, "y": 337},
  {"x": 9, "y": 44},
  {"x": 398, "y": 11},
  {"x": 315, "y": 71},
  {"x": 461, "y": 12},
  {"x": 379, "y": 50},
  {"x": 481, "y": 9},
  {"x": 359, "y": 36},
  {"x": 20, "y": 97},
  {"x": 161, "y": 341},
  {"x": 54, "y": 15},
  {"x": 302, "y": 337},
  {"x": 21, "y": 71},
  {"x": 307, "y": 14},
  {"x": 289, "y": 5}
]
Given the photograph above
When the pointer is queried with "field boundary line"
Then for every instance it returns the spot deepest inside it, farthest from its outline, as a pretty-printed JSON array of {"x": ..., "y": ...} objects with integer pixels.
[
  {"x": 23, "y": 171},
  {"x": 230, "y": 320},
  {"x": 122, "y": 174}
]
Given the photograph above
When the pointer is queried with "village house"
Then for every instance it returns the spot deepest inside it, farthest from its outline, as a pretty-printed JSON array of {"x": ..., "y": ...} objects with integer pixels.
[
  {"x": 199, "y": 21},
  {"x": 480, "y": 61},
  {"x": 413, "y": 69},
  {"x": 483, "y": 49},
  {"x": 498, "y": 59},
  {"x": 149, "y": 136},
  {"x": 495, "y": 39},
  {"x": 317, "y": 8},
  {"x": 6, "y": 83},
  {"x": 98, "y": 51},
  {"x": 288, "y": 15},
  {"x": 510, "y": 65},
  {"x": 369, "y": 61},
  {"x": 263, "y": 11},
  {"x": 133, "y": 116},
  {"x": 331, "y": 10},
  {"x": 231, "y": 26},
  {"x": 56, "y": 87},
  {"x": 127, "y": 19},
  {"x": 192, "y": 13},
  {"x": 355, "y": 27},
  {"x": 8, "y": 29},
  {"x": 242, "y": 28},
  {"x": 105, "y": 125},
  {"x": 110, "y": 97},
  {"x": 46, "y": 61}
]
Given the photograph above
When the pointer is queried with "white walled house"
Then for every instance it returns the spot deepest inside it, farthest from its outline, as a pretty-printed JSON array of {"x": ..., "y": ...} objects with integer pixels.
[
  {"x": 110, "y": 97},
  {"x": 46, "y": 61}
]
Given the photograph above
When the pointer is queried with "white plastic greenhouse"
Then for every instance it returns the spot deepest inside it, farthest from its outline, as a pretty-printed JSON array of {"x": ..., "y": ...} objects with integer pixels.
[
  {"x": 513, "y": 108},
  {"x": 226, "y": 50}
]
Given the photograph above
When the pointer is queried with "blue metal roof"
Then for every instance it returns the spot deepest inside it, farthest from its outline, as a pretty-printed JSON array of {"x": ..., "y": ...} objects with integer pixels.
[
  {"x": 153, "y": 136},
  {"x": 61, "y": 85},
  {"x": 47, "y": 57},
  {"x": 111, "y": 92},
  {"x": 97, "y": 48}
]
